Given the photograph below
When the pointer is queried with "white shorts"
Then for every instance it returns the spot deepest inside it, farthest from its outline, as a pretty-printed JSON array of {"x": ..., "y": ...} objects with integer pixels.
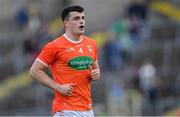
[{"x": 68, "y": 113}]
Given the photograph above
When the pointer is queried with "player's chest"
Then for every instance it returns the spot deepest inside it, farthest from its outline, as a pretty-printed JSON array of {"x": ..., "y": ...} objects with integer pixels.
[{"x": 72, "y": 51}]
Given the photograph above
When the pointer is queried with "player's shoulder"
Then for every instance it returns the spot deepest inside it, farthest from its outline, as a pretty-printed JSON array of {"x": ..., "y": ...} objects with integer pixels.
[
  {"x": 89, "y": 39},
  {"x": 55, "y": 42},
  {"x": 58, "y": 40}
]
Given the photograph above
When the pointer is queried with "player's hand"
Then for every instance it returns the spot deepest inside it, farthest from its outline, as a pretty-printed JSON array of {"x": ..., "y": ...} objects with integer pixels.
[
  {"x": 66, "y": 89},
  {"x": 94, "y": 71}
]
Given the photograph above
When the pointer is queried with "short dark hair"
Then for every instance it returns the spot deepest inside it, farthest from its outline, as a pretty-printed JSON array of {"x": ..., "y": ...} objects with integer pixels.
[{"x": 71, "y": 8}]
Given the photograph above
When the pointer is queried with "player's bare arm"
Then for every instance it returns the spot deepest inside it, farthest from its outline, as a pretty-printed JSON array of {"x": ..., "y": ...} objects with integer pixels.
[
  {"x": 94, "y": 71},
  {"x": 38, "y": 73}
]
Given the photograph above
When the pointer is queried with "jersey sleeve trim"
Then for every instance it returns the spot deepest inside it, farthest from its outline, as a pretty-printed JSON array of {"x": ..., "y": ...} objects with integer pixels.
[{"x": 41, "y": 61}]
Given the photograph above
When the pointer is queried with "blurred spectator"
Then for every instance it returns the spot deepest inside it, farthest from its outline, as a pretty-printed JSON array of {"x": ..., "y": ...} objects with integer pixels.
[
  {"x": 121, "y": 29},
  {"x": 134, "y": 29},
  {"x": 125, "y": 42},
  {"x": 112, "y": 52},
  {"x": 28, "y": 49},
  {"x": 134, "y": 77},
  {"x": 121, "y": 26},
  {"x": 116, "y": 98},
  {"x": 176, "y": 85},
  {"x": 42, "y": 38},
  {"x": 138, "y": 8},
  {"x": 28, "y": 46},
  {"x": 138, "y": 12},
  {"x": 22, "y": 17},
  {"x": 147, "y": 73},
  {"x": 35, "y": 22},
  {"x": 149, "y": 86}
]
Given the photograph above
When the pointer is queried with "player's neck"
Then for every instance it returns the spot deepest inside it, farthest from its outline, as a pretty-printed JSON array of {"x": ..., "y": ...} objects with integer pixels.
[{"x": 73, "y": 37}]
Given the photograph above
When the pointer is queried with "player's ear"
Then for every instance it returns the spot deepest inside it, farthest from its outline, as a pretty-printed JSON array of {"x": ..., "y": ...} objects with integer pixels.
[{"x": 66, "y": 23}]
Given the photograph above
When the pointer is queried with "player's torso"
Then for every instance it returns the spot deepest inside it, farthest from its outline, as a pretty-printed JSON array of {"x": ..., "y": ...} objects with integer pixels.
[{"x": 72, "y": 61}]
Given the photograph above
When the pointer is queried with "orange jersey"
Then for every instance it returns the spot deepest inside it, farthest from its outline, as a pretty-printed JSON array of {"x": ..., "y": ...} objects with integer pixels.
[{"x": 69, "y": 63}]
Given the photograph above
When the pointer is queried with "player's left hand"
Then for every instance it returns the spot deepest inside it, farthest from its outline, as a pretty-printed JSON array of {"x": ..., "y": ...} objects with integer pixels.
[{"x": 94, "y": 71}]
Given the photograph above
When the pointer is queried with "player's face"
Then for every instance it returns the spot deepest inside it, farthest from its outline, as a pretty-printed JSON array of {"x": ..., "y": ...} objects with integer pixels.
[{"x": 75, "y": 23}]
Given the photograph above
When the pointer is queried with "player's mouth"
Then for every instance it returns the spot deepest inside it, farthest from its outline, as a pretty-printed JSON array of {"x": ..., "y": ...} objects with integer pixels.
[{"x": 81, "y": 27}]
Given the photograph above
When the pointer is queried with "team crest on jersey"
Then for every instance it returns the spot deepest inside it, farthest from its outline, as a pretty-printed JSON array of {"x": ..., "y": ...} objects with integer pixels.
[
  {"x": 80, "y": 63},
  {"x": 89, "y": 48}
]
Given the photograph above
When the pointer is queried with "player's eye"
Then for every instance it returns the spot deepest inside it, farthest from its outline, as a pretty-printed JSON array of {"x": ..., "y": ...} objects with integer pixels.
[{"x": 76, "y": 18}]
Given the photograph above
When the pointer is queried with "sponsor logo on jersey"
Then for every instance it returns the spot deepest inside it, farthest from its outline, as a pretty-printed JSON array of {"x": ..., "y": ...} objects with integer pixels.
[{"x": 80, "y": 63}]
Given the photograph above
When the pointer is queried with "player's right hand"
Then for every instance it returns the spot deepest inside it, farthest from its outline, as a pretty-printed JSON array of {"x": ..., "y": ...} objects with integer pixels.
[
  {"x": 94, "y": 71},
  {"x": 66, "y": 89}
]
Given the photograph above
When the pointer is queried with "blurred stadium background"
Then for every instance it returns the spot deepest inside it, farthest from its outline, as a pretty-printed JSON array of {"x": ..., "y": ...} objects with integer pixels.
[{"x": 139, "y": 55}]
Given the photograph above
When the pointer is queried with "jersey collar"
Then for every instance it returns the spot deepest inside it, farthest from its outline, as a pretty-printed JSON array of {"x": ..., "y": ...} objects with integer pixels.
[{"x": 71, "y": 40}]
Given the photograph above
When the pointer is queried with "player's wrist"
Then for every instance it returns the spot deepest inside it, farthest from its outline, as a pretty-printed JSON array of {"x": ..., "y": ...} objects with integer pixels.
[{"x": 57, "y": 87}]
